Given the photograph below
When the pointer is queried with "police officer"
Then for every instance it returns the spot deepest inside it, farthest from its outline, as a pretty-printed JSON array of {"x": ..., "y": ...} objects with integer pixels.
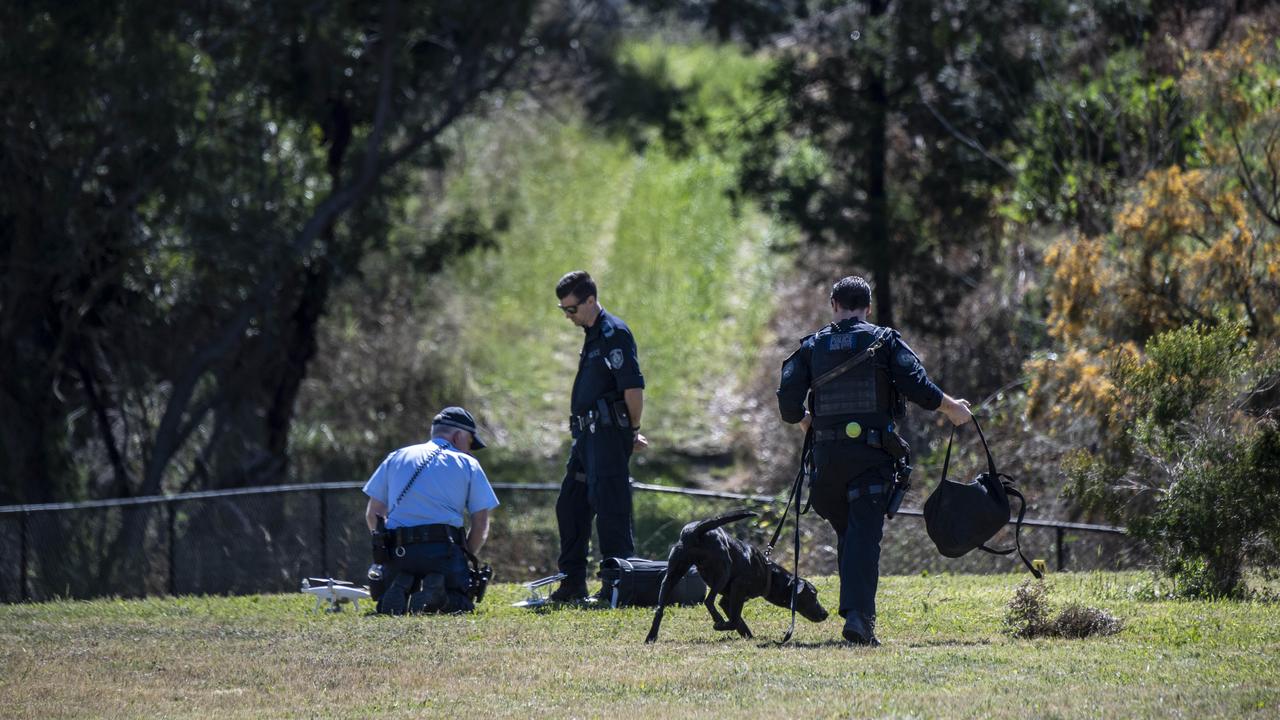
[
  {"x": 422, "y": 492},
  {"x": 854, "y": 377},
  {"x": 604, "y": 409}
]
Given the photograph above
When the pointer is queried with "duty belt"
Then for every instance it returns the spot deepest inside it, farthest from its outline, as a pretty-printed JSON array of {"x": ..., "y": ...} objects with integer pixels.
[
  {"x": 579, "y": 423},
  {"x": 865, "y": 490},
  {"x": 839, "y": 435},
  {"x": 607, "y": 413},
  {"x": 427, "y": 533}
]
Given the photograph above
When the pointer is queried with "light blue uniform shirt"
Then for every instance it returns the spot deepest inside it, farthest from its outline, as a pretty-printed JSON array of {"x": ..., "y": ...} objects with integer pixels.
[{"x": 451, "y": 484}]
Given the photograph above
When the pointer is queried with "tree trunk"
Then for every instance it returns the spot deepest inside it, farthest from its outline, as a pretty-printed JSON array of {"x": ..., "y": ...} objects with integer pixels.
[
  {"x": 298, "y": 348},
  {"x": 299, "y": 333},
  {"x": 876, "y": 157},
  {"x": 720, "y": 19},
  {"x": 28, "y": 428},
  {"x": 32, "y": 418}
]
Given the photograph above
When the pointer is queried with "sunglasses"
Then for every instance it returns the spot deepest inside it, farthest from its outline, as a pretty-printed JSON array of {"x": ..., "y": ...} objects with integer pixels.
[{"x": 569, "y": 309}]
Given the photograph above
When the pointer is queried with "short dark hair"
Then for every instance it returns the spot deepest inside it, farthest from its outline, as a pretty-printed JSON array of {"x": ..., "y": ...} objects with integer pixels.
[
  {"x": 578, "y": 284},
  {"x": 852, "y": 293}
]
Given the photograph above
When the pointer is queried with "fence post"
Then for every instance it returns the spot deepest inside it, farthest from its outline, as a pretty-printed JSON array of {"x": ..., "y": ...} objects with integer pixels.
[
  {"x": 173, "y": 540},
  {"x": 22, "y": 556},
  {"x": 1062, "y": 555},
  {"x": 324, "y": 535}
]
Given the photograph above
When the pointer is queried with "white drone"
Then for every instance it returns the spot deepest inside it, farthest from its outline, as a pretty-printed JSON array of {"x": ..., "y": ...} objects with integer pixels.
[
  {"x": 335, "y": 591},
  {"x": 536, "y": 599}
]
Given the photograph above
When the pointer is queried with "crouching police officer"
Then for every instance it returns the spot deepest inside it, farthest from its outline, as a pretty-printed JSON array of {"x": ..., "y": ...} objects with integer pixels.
[
  {"x": 608, "y": 397},
  {"x": 855, "y": 378},
  {"x": 421, "y": 493}
]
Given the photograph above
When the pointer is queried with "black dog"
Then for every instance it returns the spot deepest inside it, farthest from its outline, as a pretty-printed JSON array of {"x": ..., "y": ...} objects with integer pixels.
[{"x": 734, "y": 570}]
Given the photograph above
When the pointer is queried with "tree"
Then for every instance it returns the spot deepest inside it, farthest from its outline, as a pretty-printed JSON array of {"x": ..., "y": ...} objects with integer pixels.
[
  {"x": 1166, "y": 331},
  {"x": 751, "y": 21},
  {"x": 888, "y": 142},
  {"x": 184, "y": 185}
]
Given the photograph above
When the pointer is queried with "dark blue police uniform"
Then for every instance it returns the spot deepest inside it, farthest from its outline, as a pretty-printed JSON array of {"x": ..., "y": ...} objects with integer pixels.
[
  {"x": 852, "y": 418},
  {"x": 597, "y": 476}
]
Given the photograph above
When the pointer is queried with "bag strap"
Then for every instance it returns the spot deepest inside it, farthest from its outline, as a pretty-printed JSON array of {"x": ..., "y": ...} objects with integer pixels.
[
  {"x": 991, "y": 461},
  {"x": 1017, "y": 530},
  {"x": 852, "y": 362},
  {"x": 1009, "y": 490},
  {"x": 418, "y": 471},
  {"x": 946, "y": 462}
]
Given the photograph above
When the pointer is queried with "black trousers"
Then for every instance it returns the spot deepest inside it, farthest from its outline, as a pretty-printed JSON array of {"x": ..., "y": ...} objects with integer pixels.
[
  {"x": 416, "y": 567},
  {"x": 597, "y": 483},
  {"x": 859, "y": 524}
]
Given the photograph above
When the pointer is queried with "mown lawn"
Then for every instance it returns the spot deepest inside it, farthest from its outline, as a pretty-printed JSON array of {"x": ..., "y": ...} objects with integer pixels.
[{"x": 944, "y": 656}]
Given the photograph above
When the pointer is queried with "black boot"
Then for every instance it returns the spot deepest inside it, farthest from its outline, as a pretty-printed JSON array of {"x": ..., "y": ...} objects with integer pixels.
[
  {"x": 395, "y": 600},
  {"x": 604, "y": 596},
  {"x": 859, "y": 630},
  {"x": 431, "y": 598},
  {"x": 570, "y": 591}
]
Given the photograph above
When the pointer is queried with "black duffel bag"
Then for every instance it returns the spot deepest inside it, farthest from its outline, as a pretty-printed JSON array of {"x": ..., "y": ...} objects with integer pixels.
[
  {"x": 961, "y": 517},
  {"x": 635, "y": 582}
]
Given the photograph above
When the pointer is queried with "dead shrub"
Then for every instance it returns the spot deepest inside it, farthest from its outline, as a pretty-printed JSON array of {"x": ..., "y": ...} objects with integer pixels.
[{"x": 1028, "y": 616}]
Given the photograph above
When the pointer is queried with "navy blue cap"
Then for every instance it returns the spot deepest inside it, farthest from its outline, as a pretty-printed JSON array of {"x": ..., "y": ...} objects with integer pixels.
[{"x": 457, "y": 417}]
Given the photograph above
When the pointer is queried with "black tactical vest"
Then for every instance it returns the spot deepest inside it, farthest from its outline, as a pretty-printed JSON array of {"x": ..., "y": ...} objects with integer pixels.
[{"x": 862, "y": 394}]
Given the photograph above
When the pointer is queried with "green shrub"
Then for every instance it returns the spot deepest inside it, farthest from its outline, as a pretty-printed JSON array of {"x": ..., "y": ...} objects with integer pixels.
[{"x": 1197, "y": 473}]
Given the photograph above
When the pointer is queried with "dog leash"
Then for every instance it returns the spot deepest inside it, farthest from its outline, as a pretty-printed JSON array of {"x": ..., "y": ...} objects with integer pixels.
[
  {"x": 795, "y": 580},
  {"x": 796, "y": 489},
  {"x": 796, "y": 497}
]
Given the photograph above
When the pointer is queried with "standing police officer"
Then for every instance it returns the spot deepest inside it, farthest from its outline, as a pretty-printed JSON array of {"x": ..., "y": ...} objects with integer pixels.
[
  {"x": 604, "y": 409},
  {"x": 855, "y": 377},
  {"x": 422, "y": 492}
]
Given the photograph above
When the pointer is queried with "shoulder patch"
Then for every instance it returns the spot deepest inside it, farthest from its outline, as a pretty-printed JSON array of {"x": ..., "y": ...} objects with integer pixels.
[
  {"x": 614, "y": 359},
  {"x": 905, "y": 357},
  {"x": 788, "y": 369},
  {"x": 790, "y": 365}
]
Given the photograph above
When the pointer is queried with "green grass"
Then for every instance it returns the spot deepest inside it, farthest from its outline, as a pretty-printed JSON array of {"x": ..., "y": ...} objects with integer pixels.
[
  {"x": 944, "y": 656},
  {"x": 692, "y": 278},
  {"x": 693, "y": 274},
  {"x": 690, "y": 273}
]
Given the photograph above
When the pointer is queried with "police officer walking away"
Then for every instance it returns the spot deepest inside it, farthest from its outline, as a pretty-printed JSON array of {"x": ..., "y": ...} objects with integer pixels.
[
  {"x": 855, "y": 378},
  {"x": 604, "y": 409},
  {"x": 422, "y": 493}
]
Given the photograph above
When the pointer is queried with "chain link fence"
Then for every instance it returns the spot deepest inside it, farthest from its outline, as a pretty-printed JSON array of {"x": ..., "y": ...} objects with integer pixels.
[{"x": 265, "y": 540}]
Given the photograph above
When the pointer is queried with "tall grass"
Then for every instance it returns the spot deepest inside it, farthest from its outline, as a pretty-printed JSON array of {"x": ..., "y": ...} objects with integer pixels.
[
  {"x": 689, "y": 270},
  {"x": 691, "y": 277}
]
